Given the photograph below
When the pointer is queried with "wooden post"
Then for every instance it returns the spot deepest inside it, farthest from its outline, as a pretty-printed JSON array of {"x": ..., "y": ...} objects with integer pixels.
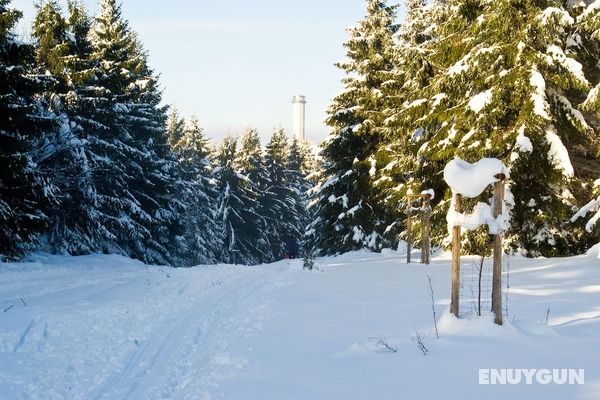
[
  {"x": 425, "y": 230},
  {"x": 408, "y": 230},
  {"x": 425, "y": 215},
  {"x": 497, "y": 274},
  {"x": 455, "y": 297}
]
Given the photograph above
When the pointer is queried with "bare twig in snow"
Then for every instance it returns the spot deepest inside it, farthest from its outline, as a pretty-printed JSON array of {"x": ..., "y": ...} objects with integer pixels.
[
  {"x": 507, "y": 269},
  {"x": 383, "y": 345},
  {"x": 479, "y": 283},
  {"x": 431, "y": 294},
  {"x": 419, "y": 338}
]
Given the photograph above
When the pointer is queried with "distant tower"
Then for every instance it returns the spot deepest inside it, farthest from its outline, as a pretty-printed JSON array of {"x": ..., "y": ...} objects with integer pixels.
[{"x": 299, "y": 105}]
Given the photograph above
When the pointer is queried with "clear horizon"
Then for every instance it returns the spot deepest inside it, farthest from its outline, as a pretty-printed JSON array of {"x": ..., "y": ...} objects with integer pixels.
[{"x": 235, "y": 65}]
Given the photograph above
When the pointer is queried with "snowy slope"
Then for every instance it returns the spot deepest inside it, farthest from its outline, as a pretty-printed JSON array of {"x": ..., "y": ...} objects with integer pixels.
[{"x": 106, "y": 327}]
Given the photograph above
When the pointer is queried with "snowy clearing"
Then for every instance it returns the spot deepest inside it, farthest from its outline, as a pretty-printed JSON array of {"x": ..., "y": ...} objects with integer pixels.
[{"x": 106, "y": 327}]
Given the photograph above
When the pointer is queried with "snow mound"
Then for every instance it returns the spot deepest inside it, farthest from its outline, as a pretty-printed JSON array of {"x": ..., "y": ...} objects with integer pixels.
[
  {"x": 369, "y": 347},
  {"x": 533, "y": 328},
  {"x": 484, "y": 326},
  {"x": 470, "y": 180},
  {"x": 402, "y": 247},
  {"x": 389, "y": 253},
  {"x": 595, "y": 251},
  {"x": 430, "y": 192},
  {"x": 449, "y": 325}
]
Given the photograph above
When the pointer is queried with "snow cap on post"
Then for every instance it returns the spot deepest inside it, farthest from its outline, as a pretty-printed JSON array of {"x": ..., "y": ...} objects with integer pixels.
[
  {"x": 430, "y": 192},
  {"x": 470, "y": 180}
]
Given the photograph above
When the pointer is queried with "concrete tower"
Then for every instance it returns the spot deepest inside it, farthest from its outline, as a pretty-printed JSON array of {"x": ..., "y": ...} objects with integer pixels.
[{"x": 299, "y": 106}]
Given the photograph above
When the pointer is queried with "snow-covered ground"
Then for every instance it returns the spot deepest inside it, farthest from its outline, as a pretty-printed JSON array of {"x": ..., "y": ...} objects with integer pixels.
[{"x": 105, "y": 327}]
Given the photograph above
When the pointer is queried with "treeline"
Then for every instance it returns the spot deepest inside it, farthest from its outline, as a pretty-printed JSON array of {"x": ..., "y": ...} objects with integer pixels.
[
  {"x": 90, "y": 161},
  {"x": 514, "y": 80}
]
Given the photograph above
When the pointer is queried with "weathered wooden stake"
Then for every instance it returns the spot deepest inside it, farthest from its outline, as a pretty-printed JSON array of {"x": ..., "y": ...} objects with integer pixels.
[
  {"x": 455, "y": 297},
  {"x": 425, "y": 228},
  {"x": 497, "y": 274},
  {"x": 408, "y": 230}
]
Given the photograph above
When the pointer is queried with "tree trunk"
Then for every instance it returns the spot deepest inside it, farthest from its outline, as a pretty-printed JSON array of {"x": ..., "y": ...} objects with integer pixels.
[{"x": 425, "y": 230}]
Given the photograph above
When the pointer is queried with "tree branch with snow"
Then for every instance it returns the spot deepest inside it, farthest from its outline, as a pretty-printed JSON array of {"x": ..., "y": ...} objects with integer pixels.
[{"x": 591, "y": 207}]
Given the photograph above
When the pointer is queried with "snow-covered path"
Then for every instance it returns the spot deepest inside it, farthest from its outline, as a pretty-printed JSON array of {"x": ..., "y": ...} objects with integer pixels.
[
  {"x": 105, "y": 327},
  {"x": 179, "y": 357},
  {"x": 111, "y": 328}
]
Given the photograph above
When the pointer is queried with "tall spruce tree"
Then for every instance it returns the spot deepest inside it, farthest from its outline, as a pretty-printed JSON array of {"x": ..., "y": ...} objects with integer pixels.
[
  {"x": 250, "y": 163},
  {"x": 49, "y": 30},
  {"x": 297, "y": 173},
  {"x": 284, "y": 206},
  {"x": 26, "y": 193},
  {"x": 398, "y": 152},
  {"x": 310, "y": 161},
  {"x": 131, "y": 169},
  {"x": 237, "y": 211},
  {"x": 175, "y": 127},
  {"x": 585, "y": 41},
  {"x": 57, "y": 55},
  {"x": 508, "y": 83},
  {"x": 348, "y": 207},
  {"x": 203, "y": 241}
]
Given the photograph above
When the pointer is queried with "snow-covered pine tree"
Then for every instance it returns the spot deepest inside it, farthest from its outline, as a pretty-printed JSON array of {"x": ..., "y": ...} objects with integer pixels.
[
  {"x": 57, "y": 55},
  {"x": 348, "y": 208},
  {"x": 24, "y": 191},
  {"x": 49, "y": 30},
  {"x": 175, "y": 127},
  {"x": 507, "y": 84},
  {"x": 310, "y": 160},
  {"x": 297, "y": 176},
  {"x": 283, "y": 211},
  {"x": 585, "y": 41},
  {"x": 79, "y": 226},
  {"x": 397, "y": 152},
  {"x": 156, "y": 186},
  {"x": 79, "y": 62},
  {"x": 250, "y": 163},
  {"x": 79, "y": 24},
  {"x": 237, "y": 209},
  {"x": 74, "y": 65},
  {"x": 130, "y": 166},
  {"x": 203, "y": 242}
]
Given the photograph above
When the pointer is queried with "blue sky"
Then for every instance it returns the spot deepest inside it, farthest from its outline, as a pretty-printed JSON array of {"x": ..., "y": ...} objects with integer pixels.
[{"x": 238, "y": 63}]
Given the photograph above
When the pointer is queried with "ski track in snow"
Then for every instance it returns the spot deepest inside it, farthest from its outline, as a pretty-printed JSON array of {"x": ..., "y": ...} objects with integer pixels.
[
  {"x": 188, "y": 335},
  {"x": 152, "y": 336}
]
